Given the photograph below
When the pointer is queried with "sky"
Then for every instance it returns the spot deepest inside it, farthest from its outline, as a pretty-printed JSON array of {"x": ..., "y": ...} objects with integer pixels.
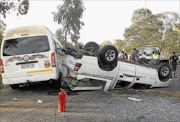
[{"x": 104, "y": 19}]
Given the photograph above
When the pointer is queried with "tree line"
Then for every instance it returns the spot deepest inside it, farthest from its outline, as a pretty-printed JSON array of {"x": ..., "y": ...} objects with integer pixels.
[
  {"x": 21, "y": 7},
  {"x": 162, "y": 29}
]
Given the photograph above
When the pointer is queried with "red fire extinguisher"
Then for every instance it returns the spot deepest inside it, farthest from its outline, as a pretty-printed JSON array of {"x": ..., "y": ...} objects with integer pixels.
[{"x": 62, "y": 100}]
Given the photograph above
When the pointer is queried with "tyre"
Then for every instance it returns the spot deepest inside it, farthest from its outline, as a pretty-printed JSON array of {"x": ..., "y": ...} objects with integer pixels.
[
  {"x": 15, "y": 86},
  {"x": 58, "y": 82},
  {"x": 108, "y": 54},
  {"x": 91, "y": 47},
  {"x": 164, "y": 70}
]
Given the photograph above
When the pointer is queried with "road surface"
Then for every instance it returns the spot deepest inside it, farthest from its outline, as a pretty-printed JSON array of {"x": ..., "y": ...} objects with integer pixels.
[{"x": 156, "y": 105}]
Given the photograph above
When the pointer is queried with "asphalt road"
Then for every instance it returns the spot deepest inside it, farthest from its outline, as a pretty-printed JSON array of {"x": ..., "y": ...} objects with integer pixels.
[{"x": 156, "y": 105}]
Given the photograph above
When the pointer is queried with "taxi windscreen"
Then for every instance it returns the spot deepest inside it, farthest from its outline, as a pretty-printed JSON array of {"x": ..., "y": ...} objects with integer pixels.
[{"x": 25, "y": 45}]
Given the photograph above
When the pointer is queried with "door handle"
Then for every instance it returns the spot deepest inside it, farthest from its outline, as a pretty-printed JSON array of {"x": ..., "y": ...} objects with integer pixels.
[
  {"x": 137, "y": 78},
  {"x": 121, "y": 76}
]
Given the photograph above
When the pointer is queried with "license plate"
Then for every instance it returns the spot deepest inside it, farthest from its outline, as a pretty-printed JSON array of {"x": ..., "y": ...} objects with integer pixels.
[{"x": 25, "y": 66}]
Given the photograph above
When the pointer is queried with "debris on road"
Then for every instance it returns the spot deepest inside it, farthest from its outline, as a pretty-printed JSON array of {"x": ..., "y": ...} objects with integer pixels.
[
  {"x": 39, "y": 101},
  {"x": 130, "y": 98},
  {"x": 15, "y": 99}
]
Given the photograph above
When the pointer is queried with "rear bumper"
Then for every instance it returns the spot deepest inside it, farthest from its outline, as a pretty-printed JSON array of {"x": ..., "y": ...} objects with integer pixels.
[{"x": 27, "y": 79}]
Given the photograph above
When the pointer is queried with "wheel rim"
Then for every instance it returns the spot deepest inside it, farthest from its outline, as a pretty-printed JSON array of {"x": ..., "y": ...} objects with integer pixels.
[
  {"x": 165, "y": 71},
  {"x": 110, "y": 55}
]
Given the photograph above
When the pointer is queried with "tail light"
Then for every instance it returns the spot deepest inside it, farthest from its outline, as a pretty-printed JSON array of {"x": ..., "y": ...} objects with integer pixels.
[
  {"x": 2, "y": 67},
  {"x": 77, "y": 66},
  {"x": 53, "y": 60}
]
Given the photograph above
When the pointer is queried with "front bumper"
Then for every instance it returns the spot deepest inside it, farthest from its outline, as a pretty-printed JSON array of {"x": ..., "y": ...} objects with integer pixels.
[{"x": 27, "y": 79}]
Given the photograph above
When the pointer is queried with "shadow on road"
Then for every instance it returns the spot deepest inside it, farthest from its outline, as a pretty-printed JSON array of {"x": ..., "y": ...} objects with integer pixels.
[{"x": 40, "y": 87}]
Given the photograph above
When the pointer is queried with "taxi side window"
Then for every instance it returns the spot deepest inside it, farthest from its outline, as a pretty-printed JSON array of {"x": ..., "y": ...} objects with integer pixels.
[{"x": 58, "y": 49}]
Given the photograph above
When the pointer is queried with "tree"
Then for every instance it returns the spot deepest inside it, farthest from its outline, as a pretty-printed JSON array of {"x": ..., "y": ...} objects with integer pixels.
[
  {"x": 77, "y": 45},
  {"x": 172, "y": 42},
  {"x": 139, "y": 14},
  {"x": 69, "y": 17},
  {"x": 146, "y": 31},
  {"x": 169, "y": 19},
  {"x": 177, "y": 29},
  {"x": 106, "y": 42},
  {"x": 119, "y": 44},
  {"x": 65, "y": 43},
  {"x": 151, "y": 28},
  {"x": 21, "y": 7},
  {"x": 2, "y": 29},
  {"x": 5, "y": 7}
]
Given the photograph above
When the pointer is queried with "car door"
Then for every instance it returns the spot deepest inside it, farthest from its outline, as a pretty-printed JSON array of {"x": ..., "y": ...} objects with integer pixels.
[
  {"x": 145, "y": 75},
  {"x": 127, "y": 72}
]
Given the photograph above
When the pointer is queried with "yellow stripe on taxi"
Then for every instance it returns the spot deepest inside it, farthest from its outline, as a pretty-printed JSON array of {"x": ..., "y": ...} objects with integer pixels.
[{"x": 48, "y": 70}]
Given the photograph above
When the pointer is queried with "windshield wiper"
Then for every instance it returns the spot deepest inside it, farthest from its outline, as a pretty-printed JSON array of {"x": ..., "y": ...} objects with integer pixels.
[{"x": 4, "y": 54}]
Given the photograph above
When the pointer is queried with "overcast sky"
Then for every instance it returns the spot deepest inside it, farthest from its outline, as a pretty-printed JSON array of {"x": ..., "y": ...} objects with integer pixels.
[{"x": 104, "y": 19}]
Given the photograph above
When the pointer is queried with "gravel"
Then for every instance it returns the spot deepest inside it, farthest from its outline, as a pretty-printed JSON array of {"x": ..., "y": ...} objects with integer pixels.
[
  {"x": 156, "y": 105},
  {"x": 92, "y": 106}
]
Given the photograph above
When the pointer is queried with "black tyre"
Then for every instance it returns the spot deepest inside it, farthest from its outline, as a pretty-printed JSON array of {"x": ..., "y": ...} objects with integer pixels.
[
  {"x": 91, "y": 47},
  {"x": 164, "y": 70},
  {"x": 15, "y": 86},
  {"x": 108, "y": 54},
  {"x": 58, "y": 81}
]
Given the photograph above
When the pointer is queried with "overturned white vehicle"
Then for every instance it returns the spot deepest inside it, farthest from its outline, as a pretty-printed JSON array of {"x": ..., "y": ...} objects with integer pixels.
[{"x": 93, "y": 69}]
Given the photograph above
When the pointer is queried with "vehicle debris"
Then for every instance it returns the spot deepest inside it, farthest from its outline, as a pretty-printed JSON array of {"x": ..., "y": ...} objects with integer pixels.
[
  {"x": 15, "y": 99},
  {"x": 39, "y": 101},
  {"x": 135, "y": 99}
]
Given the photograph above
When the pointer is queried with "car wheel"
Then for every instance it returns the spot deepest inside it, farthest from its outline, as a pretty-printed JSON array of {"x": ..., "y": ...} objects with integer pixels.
[
  {"x": 164, "y": 70},
  {"x": 15, "y": 86},
  {"x": 91, "y": 47},
  {"x": 108, "y": 54}
]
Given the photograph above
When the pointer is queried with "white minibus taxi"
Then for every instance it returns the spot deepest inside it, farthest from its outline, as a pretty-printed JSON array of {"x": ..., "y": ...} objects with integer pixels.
[{"x": 30, "y": 54}]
